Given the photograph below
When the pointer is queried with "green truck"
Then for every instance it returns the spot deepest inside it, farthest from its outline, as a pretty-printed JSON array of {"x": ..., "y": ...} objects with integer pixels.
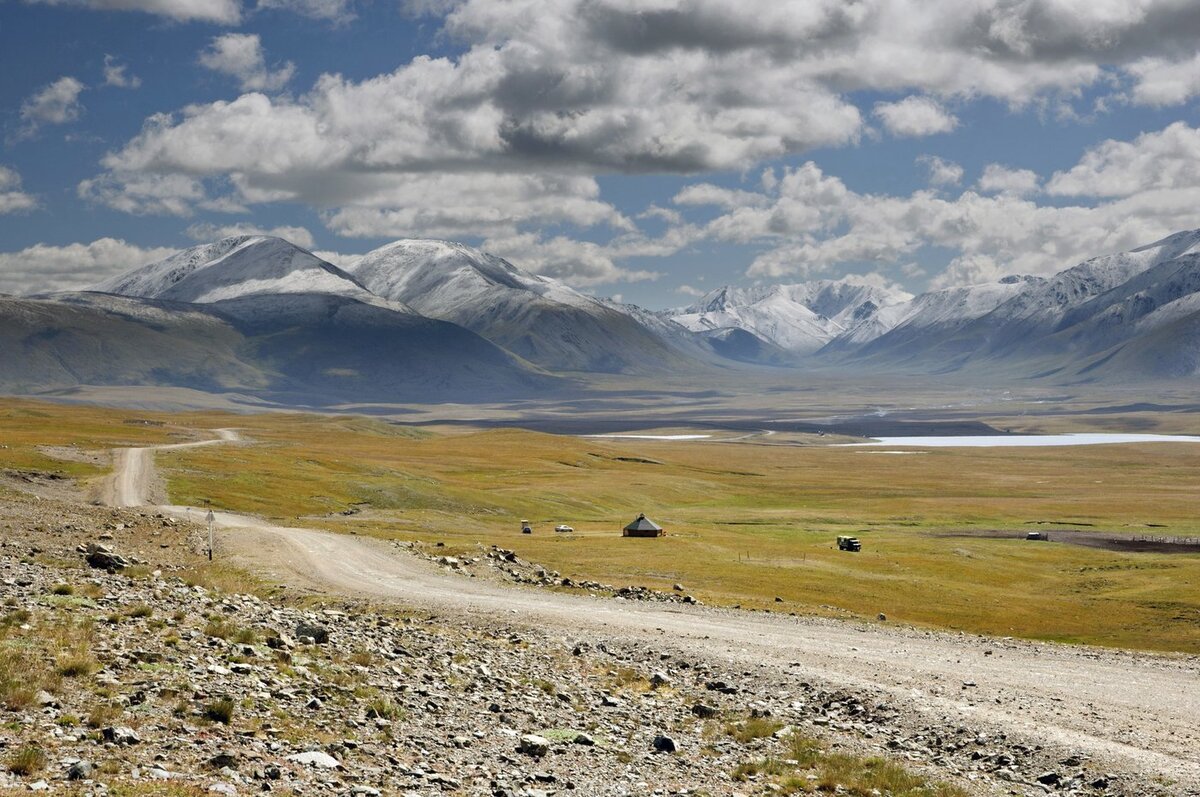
[{"x": 849, "y": 544}]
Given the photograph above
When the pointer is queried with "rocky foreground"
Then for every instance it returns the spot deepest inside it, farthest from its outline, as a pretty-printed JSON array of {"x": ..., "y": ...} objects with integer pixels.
[{"x": 121, "y": 673}]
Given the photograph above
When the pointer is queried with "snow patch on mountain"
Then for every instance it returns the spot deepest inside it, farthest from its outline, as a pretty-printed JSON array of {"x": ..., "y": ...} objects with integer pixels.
[
  {"x": 437, "y": 277},
  {"x": 234, "y": 268}
]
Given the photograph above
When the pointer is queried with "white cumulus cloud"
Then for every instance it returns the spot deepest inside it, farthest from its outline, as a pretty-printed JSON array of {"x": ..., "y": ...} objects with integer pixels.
[
  {"x": 241, "y": 56},
  {"x": 116, "y": 74},
  {"x": 228, "y": 12},
  {"x": 43, "y": 268},
  {"x": 1000, "y": 179},
  {"x": 12, "y": 198},
  {"x": 55, "y": 104},
  {"x": 1161, "y": 159},
  {"x": 1159, "y": 81},
  {"x": 915, "y": 116},
  {"x": 941, "y": 172}
]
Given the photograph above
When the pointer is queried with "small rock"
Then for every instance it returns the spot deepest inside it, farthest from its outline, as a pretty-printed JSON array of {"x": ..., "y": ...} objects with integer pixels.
[
  {"x": 660, "y": 678},
  {"x": 121, "y": 736},
  {"x": 585, "y": 740},
  {"x": 222, "y": 760},
  {"x": 80, "y": 770},
  {"x": 534, "y": 745},
  {"x": 664, "y": 744},
  {"x": 319, "y": 634},
  {"x": 102, "y": 557},
  {"x": 704, "y": 712},
  {"x": 315, "y": 758},
  {"x": 1048, "y": 778}
]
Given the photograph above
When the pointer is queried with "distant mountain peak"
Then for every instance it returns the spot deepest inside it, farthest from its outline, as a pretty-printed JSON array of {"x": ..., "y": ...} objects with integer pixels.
[
  {"x": 234, "y": 268},
  {"x": 799, "y": 318}
]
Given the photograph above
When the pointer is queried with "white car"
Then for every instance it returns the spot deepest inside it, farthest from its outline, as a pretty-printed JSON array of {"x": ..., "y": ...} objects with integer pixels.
[{"x": 563, "y": 527}]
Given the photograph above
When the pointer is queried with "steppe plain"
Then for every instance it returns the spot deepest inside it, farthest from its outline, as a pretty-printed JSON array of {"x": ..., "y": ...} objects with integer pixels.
[{"x": 945, "y": 588}]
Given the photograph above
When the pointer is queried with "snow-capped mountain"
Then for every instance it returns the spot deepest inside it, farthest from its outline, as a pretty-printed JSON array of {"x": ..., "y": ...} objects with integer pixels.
[
  {"x": 234, "y": 268},
  {"x": 537, "y": 318},
  {"x": 308, "y": 327},
  {"x": 799, "y": 318},
  {"x": 259, "y": 316},
  {"x": 1067, "y": 323}
]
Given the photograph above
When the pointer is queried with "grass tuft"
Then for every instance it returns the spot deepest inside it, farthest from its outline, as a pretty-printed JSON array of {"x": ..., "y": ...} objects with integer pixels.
[
  {"x": 220, "y": 710},
  {"x": 27, "y": 760}
]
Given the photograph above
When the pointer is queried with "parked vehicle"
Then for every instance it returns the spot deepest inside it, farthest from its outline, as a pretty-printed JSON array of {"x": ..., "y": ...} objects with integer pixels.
[
  {"x": 1037, "y": 535},
  {"x": 563, "y": 527},
  {"x": 849, "y": 544},
  {"x": 526, "y": 528}
]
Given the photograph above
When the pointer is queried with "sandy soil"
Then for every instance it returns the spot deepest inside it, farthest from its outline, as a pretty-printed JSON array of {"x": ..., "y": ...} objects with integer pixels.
[{"x": 1129, "y": 712}]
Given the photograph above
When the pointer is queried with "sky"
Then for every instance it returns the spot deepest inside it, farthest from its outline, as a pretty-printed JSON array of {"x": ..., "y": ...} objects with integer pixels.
[{"x": 650, "y": 150}]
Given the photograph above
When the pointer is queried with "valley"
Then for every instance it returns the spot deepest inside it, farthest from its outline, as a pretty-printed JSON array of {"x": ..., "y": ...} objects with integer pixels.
[
  {"x": 374, "y": 439},
  {"x": 358, "y": 509}
]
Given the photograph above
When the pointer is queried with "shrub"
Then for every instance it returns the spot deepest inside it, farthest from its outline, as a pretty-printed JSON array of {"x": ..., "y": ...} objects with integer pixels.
[
  {"x": 27, "y": 760},
  {"x": 220, "y": 711},
  {"x": 753, "y": 728},
  {"x": 63, "y": 589},
  {"x": 76, "y": 664},
  {"x": 103, "y": 715},
  {"x": 382, "y": 707},
  {"x": 140, "y": 610}
]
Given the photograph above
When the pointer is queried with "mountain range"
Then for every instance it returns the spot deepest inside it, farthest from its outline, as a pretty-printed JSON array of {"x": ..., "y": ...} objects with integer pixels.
[{"x": 434, "y": 321}]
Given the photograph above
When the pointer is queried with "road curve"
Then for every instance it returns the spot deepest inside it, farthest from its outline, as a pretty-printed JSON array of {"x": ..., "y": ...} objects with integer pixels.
[
  {"x": 1131, "y": 712},
  {"x": 133, "y": 470}
]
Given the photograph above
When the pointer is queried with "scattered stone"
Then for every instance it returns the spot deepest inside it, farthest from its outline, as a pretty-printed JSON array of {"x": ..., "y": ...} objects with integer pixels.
[
  {"x": 534, "y": 745},
  {"x": 80, "y": 770},
  {"x": 664, "y": 744},
  {"x": 102, "y": 557},
  {"x": 121, "y": 736},
  {"x": 319, "y": 634},
  {"x": 315, "y": 758}
]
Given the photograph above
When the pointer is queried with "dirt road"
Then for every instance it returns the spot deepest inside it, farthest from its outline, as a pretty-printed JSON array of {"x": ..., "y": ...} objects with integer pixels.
[
  {"x": 1126, "y": 712},
  {"x": 133, "y": 470}
]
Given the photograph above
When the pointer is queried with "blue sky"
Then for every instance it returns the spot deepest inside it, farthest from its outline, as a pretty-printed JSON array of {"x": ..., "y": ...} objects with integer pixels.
[{"x": 652, "y": 150}]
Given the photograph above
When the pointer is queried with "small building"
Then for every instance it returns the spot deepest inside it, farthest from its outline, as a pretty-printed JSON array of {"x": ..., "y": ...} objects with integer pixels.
[{"x": 643, "y": 527}]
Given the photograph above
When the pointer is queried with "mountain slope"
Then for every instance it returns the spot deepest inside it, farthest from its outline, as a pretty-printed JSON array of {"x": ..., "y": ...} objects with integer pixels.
[
  {"x": 311, "y": 349},
  {"x": 95, "y": 339},
  {"x": 232, "y": 268},
  {"x": 1071, "y": 324},
  {"x": 537, "y": 318}
]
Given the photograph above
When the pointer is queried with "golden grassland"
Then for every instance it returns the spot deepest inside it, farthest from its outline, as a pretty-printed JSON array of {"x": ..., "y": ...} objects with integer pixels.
[{"x": 747, "y": 522}]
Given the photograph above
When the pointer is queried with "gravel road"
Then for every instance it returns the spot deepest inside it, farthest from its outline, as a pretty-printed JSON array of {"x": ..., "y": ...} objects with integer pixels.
[{"x": 1127, "y": 712}]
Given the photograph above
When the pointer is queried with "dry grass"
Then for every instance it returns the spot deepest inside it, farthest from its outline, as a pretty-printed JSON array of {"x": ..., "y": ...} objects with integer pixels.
[
  {"x": 746, "y": 522},
  {"x": 806, "y": 767},
  {"x": 752, "y": 728},
  {"x": 27, "y": 760},
  {"x": 220, "y": 710},
  {"x": 103, "y": 715},
  {"x": 77, "y": 664}
]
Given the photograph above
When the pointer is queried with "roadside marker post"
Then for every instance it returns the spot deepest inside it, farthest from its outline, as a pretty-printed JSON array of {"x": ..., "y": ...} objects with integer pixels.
[{"x": 210, "y": 519}]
